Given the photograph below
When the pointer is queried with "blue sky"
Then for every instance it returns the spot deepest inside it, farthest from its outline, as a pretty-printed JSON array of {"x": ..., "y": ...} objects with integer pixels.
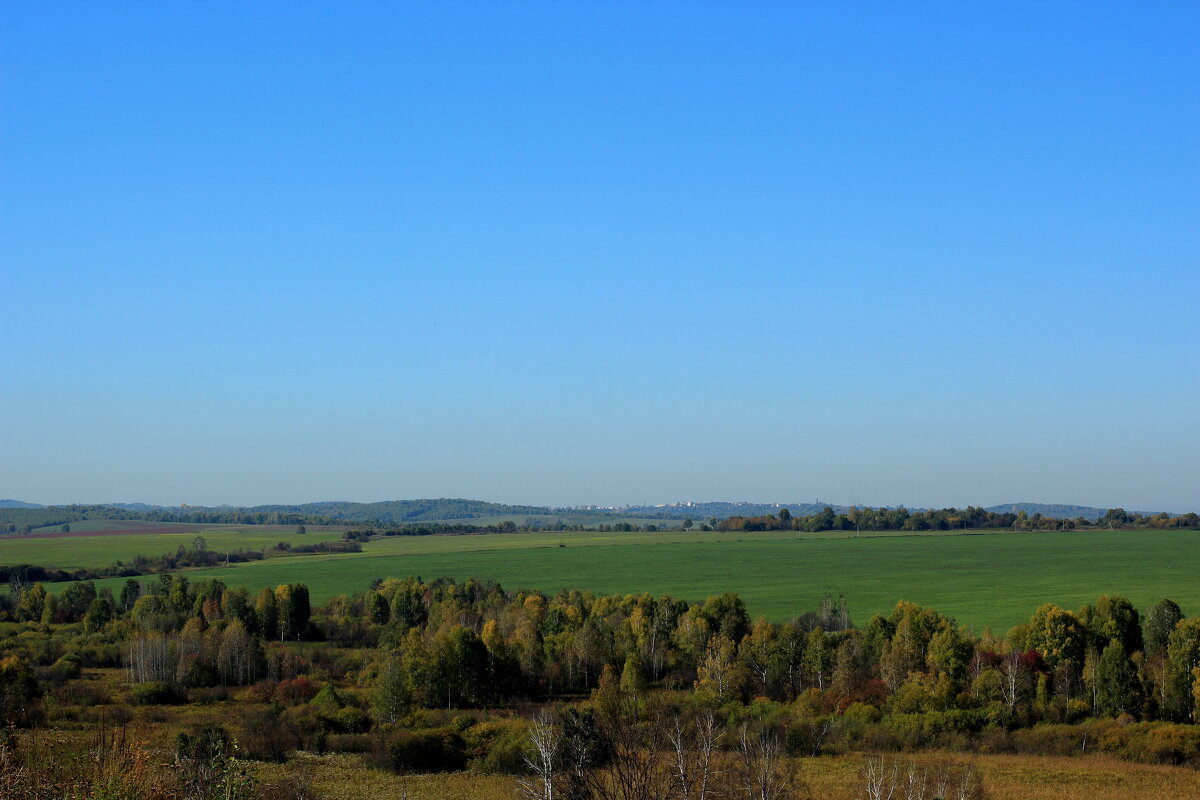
[{"x": 608, "y": 253}]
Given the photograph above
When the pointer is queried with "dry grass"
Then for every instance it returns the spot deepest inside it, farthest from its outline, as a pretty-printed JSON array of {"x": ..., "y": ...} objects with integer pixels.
[
  {"x": 345, "y": 777},
  {"x": 1087, "y": 778},
  {"x": 834, "y": 778},
  {"x": 1013, "y": 777}
]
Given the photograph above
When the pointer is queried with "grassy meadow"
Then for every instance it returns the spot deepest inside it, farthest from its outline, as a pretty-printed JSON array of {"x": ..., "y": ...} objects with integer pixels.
[
  {"x": 347, "y": 776},
  {"x": 982, "y": 579},
  {"x": 1006, "y": 777},
  {"x": 92, "y": 550}
]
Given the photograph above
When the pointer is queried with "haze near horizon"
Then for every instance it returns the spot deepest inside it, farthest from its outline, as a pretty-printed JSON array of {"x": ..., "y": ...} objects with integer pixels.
[{"x": 930, "y": 254}]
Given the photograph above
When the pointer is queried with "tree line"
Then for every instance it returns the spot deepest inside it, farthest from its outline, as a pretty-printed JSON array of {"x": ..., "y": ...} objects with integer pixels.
[
  {"x": 946, "y": 519},
  {"x": 448, "y": 644}
]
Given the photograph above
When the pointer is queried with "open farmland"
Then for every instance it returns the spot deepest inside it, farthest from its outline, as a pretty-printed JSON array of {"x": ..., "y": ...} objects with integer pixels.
[
  {"x": 100, "y": 543},
  {"x": 991, "y": 579}
]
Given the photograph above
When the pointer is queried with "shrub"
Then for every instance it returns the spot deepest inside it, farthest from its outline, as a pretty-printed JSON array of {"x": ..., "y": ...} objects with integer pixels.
[
  {"x": 261, "y": 692},
  {"x": 66, "y": 668},
  {"x": 81, "y": 694},
  {"x": 498, "y": 747},
  {"x": 349, "y": 743},
  {"x": 806, "y": 736},
  {"x": 429, "y": 750},
  {"x": 19, "y": 694},
  {"x": 155, "y": 693},
  {"x": 346, "y": 720},
  {"x": 1158, "y": 743},
  {"x": 194, "y": 673},
  {"x": 215, "y": 694},
  {"x": 861, "y": 712},
  {"x": 297, "y": 690},
  {"x": 265, "y": 737},
  {"x": 206, "y": 768}
]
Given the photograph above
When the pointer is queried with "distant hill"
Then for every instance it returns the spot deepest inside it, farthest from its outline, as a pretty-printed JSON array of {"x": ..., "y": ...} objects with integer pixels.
[
  {"x": 1089, "y": 513},
  {"x": 459, "y": 510},
  {"x": 135, "y": 506},
  {"x": 387, "y": 513},
  {"x": 396, "y": 512},
  {"x": 720, "y": 510}
]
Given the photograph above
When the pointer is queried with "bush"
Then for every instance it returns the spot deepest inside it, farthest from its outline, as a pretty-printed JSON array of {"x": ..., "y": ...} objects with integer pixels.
[
  {"x": 261, "y": 692},
  {"x": 195, "y": 673},
  {"x": 295, "y": 691},
  {"x": 1057, "y": 740},
  {"x": 1158, "y": 743},
  {"x": 806, "y": 736},
  {"x": 429, "y": 750},
  {"x": 81, "y": 694},
  {"x": 498, "y": 747},
  {"x": 215, "y": 694},
  {"x": 155, "y": 693},
  {"x": 349, "y": 743},
  {"x": 346, "y": 720},
  {"x": 66, "y": 668},
  {"x": 914, "y": 731},
  {"x": 265, "y": 737},
  {"x": 861, "y": 712},
  {"x": 100, "y": 655}
]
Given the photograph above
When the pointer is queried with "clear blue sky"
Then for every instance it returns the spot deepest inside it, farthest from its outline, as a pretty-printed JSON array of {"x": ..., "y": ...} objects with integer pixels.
[{"x": 605, "y": 253}]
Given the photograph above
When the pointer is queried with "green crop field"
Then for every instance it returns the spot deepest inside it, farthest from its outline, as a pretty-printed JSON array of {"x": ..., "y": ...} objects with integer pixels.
[
  {"x": 101, "y": 551},
  {"x": 982, "y": 579}
]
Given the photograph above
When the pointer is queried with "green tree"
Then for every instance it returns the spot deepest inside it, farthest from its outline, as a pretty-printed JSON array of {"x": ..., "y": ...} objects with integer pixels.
[
  {"x": 719, "y": 674},
  {"x": 50, "y": 613},
  {"x": 376, "y": 607},
  {"x": 32, "y": 604},
  {"x": 949, "y": 652},
  {"x": 1116, "y": 618},
  {"x": 849, "y": 670},
  {"x": 1114, "y": 516},
  {"x": 1118, "y": 688},
  {"x": 727, "y": 616},
  {"x": 408, "y": 606},
  {"x": 390, "y": 696},
  {"x": 18, "y": 693},
  {"x": 235, "y": 604},
  {"x": 633, "y": 676},
  {"x": 99, "y": 614},
  {"x": 180, "y": 595},
  {"x": 301, "y": 609},
  {"x": 130, "y": 592},
  {"x": 464, "y": 666},
  {"x": 150, "y": 613},
  {"x": 788, "y": 659},
  {"x": 74, "y": 600},
  {"x": 818, "y": 658},
  {"x": 1057, "y": 635},
  {"x": 285, "y": 612},
  {"x": 266, "y": 613},
  {"x": 239, "y": 655},
  {"x": 1160, "y": 621},
  {"x": 1183, "y": 656}
]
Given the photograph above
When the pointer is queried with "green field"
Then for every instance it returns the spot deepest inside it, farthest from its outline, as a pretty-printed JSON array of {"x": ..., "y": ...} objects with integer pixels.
[
  {"x": 102, "y": 551},
  {"x": 982, "y": 579}
]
